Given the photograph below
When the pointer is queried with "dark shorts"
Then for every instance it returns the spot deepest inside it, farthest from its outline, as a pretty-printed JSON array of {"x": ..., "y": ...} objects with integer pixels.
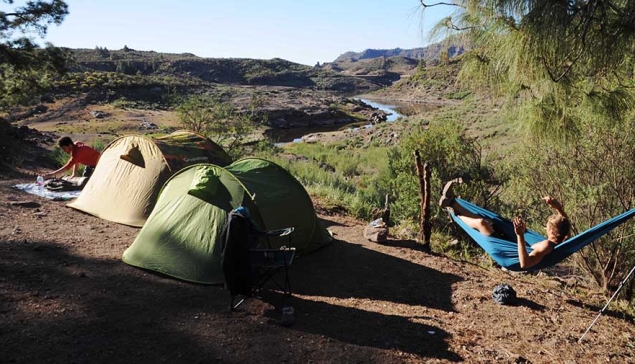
[{"x": 88, "y": 171}]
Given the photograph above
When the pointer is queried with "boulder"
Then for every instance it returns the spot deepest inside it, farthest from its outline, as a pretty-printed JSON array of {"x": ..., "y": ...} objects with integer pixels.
[
  {"x": 149, "y": 126},
  {"x": 98, "y": 114}
]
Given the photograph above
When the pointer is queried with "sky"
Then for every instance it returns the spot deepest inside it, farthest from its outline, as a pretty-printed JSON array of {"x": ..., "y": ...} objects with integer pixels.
[{"x": 302, "y": 31}]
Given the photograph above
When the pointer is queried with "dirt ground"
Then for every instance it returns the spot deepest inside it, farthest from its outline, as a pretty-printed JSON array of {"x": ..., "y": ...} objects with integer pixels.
[{"x": 66, "y": 297}]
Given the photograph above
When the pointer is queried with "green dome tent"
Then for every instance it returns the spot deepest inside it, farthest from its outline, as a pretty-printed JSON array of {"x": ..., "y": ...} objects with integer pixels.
[{"x": 181, "y": 238}]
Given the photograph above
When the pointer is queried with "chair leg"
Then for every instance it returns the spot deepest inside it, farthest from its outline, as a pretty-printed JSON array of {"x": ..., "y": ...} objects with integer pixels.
[
  {"x": 232, "y": 306},
  {"x": 286, "y": 292}
]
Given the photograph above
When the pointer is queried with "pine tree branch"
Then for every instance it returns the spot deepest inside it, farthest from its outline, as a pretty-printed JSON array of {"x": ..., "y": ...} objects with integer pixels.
[{"x": 424, "y": 5}]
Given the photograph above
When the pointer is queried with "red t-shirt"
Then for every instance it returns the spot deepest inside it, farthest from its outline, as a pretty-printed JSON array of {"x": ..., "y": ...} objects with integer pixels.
[{"x": 83, "y": 154}]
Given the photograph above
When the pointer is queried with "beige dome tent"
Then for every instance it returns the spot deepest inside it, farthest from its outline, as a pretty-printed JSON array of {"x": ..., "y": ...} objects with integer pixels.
[{"x": 132, "y": 170}]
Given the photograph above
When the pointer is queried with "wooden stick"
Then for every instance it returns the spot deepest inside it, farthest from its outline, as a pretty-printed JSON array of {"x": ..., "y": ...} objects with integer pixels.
[
  {"x": 423, "y": 174},
  {"x": 427, "y": 229}
]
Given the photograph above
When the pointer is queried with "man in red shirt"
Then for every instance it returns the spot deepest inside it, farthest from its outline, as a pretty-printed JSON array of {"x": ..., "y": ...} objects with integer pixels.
[{"x": 80, "y": 154}]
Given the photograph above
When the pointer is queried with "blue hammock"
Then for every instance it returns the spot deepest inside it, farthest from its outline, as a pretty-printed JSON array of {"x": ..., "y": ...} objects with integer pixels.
[{"x": 505, "y": 252}]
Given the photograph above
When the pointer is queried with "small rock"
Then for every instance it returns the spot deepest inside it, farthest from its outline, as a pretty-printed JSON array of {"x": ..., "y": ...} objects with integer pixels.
[
  {"x": 149, "y": 126},
  {"x": 98, "y": 114}
]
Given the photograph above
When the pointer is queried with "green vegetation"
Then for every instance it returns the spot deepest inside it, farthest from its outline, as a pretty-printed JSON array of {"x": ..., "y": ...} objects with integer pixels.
[
  {"x": 564, "y": 72},
  {"x": 558, "y": 64},
  {"x": 435, "y": 78},
  {"x": 451, "y": 153},
  {"x": 127, "y": 68},
  {"x": 90, "y": 80},
  {"x": 218, "y": 120},
  {"x": 595, "y": 178},
  {"x": 355, "y": 176},
  {"x": 341, "y": 176},
  {"x": 25, "y": 68}
]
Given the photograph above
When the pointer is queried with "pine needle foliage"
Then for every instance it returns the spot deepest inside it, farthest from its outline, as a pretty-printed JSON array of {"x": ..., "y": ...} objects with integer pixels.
[
  {"x": 26, "y": 69},
  {"x": 557, "y": 63}
]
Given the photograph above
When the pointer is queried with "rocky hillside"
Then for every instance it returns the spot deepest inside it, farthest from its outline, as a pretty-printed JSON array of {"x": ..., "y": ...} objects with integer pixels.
[
  {"x": 156, "y": 67},
  {"x": 387, "y": 66},
  {"x": 382, "y": 70},
  {"x": 429, "y": 53}
]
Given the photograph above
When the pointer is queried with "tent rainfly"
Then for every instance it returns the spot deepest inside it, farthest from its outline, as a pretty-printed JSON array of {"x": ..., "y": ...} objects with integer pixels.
[
  {"x": 182, "y": 235},
  {"x": 132, "y": 169}
]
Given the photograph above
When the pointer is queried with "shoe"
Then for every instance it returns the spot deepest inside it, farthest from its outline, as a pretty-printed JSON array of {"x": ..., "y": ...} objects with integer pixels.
[{"x": 447, "y": 197}]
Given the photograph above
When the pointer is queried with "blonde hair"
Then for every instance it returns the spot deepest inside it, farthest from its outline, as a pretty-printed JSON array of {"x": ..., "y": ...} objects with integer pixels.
[{"x": 559, "y": 226}]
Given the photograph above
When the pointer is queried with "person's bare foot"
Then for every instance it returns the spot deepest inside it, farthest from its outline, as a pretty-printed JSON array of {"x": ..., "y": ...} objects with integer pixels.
[{"x": 447, "y": 197}]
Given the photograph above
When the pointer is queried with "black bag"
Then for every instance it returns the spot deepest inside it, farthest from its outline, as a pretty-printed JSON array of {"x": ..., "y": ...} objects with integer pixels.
[
  {"x": 66, "y": 184},
  {"x": 504, "y": 294}
]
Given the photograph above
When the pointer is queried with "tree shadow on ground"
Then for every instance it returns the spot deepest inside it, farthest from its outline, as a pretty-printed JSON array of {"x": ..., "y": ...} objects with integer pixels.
[
  {"x": 616, "y": 314},
  {"x": 324, "y": 223},
  {"x": 370, "y": 329},
  {"x": 347, "y": 270},
  {"x": 410, "y": 244},
  {"x": 60, "y": 307}
]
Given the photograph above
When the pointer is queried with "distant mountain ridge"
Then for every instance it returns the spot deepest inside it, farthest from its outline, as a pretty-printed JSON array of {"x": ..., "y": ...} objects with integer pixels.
[
  {"x": 430, "y": 52},
  {"x": 187, "y": 66}
]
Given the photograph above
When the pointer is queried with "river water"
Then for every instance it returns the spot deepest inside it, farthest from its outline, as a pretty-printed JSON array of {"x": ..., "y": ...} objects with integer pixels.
[
  {"x": 391, "y": 110},
  {"x": 394, "y": 111}
]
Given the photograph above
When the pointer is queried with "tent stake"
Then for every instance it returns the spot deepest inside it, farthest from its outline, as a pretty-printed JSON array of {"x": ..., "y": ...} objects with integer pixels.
[{"x": 607, "y": 304}]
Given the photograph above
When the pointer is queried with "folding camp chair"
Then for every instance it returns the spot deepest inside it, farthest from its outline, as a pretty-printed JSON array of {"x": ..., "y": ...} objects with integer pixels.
[
  {"x": 247, "y": 268},
  {"x": 267, "y": 262}
]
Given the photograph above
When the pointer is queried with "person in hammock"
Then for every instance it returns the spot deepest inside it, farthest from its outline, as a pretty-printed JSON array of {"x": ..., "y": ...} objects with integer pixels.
[{"x": 558, "y": 226}]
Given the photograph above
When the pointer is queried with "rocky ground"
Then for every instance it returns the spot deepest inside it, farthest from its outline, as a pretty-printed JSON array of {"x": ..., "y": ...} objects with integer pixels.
[
  {"x": 66, "y": 297},
  {"x": 279, "y": 108}
]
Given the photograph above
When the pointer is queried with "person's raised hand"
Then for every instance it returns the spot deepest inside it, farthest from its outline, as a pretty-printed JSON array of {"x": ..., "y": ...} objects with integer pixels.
[
  {"x": 552, "y": 202},
  {"x": 519, "y": 226}
]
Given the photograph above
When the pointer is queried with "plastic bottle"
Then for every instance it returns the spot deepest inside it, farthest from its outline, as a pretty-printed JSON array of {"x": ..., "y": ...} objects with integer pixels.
[
  {"x": 40, "y": 183},
  {"x": 287, "y": 316}
]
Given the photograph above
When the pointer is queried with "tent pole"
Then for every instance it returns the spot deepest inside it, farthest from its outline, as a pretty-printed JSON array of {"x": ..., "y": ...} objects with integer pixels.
[{"x": 607, "y": 304}]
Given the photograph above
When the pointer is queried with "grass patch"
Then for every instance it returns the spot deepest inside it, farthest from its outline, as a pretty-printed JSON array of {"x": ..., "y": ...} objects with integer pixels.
[
  {"x": 339, "y": 174},
  {"x": 458, "y": 95}
]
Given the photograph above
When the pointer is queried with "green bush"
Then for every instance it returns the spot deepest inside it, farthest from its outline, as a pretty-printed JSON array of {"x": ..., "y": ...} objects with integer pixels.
[
  {"x": 594, "y": 177},
  {"x": 459, "y": 95},
  {"x": 100, "y": 143},
  {"x": 218, "y": 120},
  {"x": 451, "y": 154},
  {"x": 58, "y": 157}
]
